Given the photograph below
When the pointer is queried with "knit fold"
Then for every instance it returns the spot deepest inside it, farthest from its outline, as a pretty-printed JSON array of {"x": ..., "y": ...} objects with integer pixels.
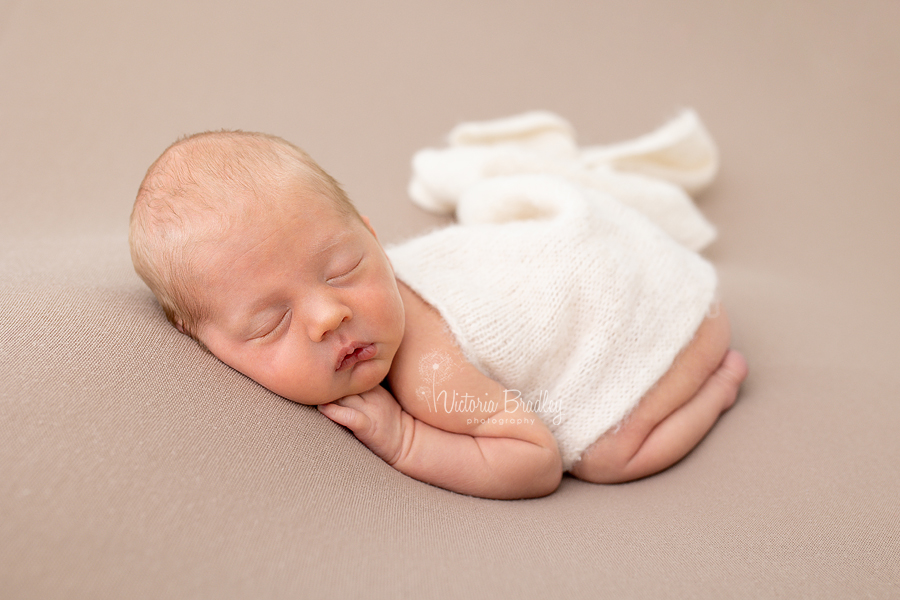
[
  {"x": 572, "y": 283},
  {"x": 654, "y": 174}
]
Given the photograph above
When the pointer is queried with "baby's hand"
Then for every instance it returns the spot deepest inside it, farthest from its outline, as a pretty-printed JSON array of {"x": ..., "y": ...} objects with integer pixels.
[{"x": 375, "y": 418}]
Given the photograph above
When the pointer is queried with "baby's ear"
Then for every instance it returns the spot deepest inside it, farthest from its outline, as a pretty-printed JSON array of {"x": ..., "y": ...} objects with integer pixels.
[{"x": 369, "y": 225}]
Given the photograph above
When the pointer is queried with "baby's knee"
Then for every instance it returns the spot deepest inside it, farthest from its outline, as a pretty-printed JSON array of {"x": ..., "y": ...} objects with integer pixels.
[
  {"x": 695, "y": 364},
  {"x": 711, "y": 340},
  {"x": 729, "y": 376}
]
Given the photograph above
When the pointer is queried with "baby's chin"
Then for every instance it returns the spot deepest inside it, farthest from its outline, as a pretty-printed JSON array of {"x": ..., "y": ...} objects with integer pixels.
[
  {"x": 367, "y": 375},
  {"x": 372, "y": 373}
]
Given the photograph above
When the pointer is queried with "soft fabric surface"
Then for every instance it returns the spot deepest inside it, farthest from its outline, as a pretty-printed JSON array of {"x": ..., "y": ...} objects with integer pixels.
[
  {"x": 565, "y": 279},
  {"x": 577, "y": 312},
  {"x": 654, "y": 173},
  {"x": 135, "y": 465}
]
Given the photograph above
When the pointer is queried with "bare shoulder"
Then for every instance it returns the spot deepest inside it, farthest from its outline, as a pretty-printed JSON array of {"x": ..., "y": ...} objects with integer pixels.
[{"x": 431, "y": 378}]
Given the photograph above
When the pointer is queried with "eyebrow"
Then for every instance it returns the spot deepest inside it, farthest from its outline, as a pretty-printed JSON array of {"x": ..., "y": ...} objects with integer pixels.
[{"x": 335, "y": 240}]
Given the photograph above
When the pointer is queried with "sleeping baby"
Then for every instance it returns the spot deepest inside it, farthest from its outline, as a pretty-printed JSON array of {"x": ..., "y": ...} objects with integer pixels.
[{"x": 565, "y": 323}]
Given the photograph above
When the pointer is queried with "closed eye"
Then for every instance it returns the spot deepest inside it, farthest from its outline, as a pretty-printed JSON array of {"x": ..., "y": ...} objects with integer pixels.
[
  {"x": 346, "y": 271},
  {"x": 271, "y": 334}
]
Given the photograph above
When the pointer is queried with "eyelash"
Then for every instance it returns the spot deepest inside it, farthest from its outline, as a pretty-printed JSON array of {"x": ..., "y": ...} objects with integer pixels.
[
  {"x": 348, "y": 271},
  {"x": 284, "y": 319}
]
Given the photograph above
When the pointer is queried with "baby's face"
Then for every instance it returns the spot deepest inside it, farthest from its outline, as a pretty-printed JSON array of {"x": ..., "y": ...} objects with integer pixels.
[{"x": 309, "y": 308}]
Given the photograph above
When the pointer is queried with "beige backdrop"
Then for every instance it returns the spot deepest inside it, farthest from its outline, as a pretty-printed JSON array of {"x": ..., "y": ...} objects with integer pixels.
[{"x": 133, "y": 465}]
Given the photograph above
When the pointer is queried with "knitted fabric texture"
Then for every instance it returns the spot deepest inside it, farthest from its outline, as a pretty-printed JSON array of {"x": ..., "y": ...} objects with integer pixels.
[
  {"x": 563, "y": 294},
  {"x": 653, "y": 174}
]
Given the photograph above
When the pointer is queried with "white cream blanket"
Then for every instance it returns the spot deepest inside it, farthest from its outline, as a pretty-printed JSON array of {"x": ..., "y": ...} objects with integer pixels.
[
  {"x": 563, "y": 279},
  {"x": 653, "y": 173}
]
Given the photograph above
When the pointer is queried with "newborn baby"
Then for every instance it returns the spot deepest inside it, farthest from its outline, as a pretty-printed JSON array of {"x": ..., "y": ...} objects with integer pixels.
[{"x": 257, "y": 253}]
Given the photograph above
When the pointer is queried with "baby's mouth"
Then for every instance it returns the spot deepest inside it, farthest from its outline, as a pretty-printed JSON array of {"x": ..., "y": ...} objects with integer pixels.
[{"x": 354, "y": 354}]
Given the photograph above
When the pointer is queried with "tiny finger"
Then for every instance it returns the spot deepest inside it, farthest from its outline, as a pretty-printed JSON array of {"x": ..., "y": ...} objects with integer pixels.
[{"x": 343, "y": 415}]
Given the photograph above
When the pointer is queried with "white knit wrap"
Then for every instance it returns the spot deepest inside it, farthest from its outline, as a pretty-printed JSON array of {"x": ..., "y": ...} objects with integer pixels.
[{"x": 563, "y": 292}]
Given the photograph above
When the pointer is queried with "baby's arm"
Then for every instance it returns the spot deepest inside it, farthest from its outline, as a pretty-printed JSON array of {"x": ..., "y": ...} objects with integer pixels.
[
  {"x": 499, "y": 460},
  {"x": 490, "y": 448}
]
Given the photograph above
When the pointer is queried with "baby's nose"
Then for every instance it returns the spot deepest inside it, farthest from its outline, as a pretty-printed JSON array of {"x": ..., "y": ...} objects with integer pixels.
[{"x": 326, "y": 316}]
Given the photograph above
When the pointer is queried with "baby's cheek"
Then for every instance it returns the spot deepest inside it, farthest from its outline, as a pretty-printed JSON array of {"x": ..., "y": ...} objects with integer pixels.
[
  {"x": 385, "y": 299},
  {"x": 290, "y": 374}
]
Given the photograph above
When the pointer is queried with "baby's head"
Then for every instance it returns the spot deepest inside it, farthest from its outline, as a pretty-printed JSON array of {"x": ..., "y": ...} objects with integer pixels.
[
  {"x": 256, "y": 252},
  {"x": 202, "y": 189}
]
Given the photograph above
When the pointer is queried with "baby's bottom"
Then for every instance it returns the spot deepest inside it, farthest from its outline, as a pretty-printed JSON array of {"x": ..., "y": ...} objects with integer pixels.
[{"x": 675, "y": 414}]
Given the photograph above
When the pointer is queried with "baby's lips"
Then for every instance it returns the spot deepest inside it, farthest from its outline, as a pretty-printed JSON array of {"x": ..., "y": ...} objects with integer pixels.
[{"x": 354, "y": 354}]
